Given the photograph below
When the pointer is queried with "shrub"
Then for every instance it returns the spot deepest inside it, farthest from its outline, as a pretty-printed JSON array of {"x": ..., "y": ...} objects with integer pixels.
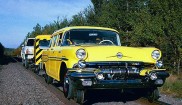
[{"x": 173, "y": 85}]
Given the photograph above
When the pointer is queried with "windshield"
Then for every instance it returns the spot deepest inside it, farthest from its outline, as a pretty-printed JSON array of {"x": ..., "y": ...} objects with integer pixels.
[
  {"x": 91, "y": 36},
  {"x": 30, "y": 42},
  {"x": 44, "y": 43}
]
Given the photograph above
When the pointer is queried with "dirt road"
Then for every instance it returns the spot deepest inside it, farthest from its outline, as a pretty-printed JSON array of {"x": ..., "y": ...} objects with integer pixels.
[{"x": 19, "y": 86}]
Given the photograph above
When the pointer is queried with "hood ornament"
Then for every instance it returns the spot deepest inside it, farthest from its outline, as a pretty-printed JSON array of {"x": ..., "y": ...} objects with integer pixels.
[{"x": 119, "y": 55}]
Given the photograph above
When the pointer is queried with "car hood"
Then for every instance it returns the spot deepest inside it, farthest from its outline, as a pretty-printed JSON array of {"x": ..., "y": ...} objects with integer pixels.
[{"x": 110, "y": 53}]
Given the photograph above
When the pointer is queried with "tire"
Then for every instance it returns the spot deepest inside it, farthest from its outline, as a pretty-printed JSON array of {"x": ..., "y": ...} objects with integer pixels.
[
  {"x": 48, "y": 79},
  {"x": 36, "y": 70},
  {"x": 68, "y": 88},
  {"x": 153, "y": 95},
  {"x": 23, "y": 62},
  {"x": 26, "y": 63},
  {"x": 80, "y": 96}
]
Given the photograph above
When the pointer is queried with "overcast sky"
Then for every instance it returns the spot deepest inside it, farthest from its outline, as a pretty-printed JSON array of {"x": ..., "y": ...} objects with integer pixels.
[{"x": 18, "y": 17}]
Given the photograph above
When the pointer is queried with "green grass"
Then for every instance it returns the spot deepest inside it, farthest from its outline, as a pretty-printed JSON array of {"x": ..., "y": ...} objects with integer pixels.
[{"x": 173, "y": 85}]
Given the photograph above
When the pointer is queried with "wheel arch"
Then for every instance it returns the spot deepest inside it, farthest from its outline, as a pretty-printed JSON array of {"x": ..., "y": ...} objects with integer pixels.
[
  {"x": 44, "y": 66},
  {"x": 63, "y": 71}
]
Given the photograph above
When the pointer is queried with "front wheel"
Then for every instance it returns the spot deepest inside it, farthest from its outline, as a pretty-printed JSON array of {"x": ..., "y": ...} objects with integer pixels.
[
  {"x": 36, "y": 70},
  {"x": 26, "y": 63},
  {"x": 23, "y": 62},
  {"x": 153, "y": 95},
  {"x": 48, "y": 79},
  {"x": 80, "y": 96},
  {"x": 68, "y": 88}
]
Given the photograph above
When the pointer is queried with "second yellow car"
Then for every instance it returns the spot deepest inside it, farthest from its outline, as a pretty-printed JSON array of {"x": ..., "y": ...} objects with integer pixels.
[{"x": 41, "y": 43}]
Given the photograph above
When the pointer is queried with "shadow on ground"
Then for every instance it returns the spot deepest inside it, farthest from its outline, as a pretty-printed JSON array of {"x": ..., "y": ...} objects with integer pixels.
[
  {"x": 8, "y": 59},
  {"x": 102, "y": 96},
  {"x": 108, "y": 95}
]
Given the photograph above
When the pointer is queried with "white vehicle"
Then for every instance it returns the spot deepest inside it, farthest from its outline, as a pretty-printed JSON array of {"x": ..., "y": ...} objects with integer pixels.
[{"x": 27, "y": 52}]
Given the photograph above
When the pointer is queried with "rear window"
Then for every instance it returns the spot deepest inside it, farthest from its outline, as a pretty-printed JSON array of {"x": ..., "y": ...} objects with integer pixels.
[
  {"x": 30, "y": 42},
  {"x": 44, "y": 43}
]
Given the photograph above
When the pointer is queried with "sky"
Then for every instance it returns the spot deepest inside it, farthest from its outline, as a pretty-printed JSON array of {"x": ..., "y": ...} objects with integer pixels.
[{"x": 18, "y": 17}]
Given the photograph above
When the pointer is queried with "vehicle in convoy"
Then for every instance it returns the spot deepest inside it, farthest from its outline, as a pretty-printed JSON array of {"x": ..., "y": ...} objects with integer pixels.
[
  {"x": 84, "y": 57},
  {"x": 27, "y": 52},
  {"x": 41, "y": 43}
]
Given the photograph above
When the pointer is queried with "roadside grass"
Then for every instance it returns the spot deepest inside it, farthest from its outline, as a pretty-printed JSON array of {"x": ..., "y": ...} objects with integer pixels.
[{"x": 173, "y": 85}]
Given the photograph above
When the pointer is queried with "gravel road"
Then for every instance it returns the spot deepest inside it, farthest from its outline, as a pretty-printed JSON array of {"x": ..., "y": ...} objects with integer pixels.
[{"x": 18, "y": 87}]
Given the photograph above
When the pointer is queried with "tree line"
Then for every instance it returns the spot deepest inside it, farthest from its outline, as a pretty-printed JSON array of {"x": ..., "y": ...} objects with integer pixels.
[{"x": 141, "y": 23}]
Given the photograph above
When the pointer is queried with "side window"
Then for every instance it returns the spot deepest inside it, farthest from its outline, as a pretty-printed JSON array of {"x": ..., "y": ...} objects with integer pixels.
[
  {"x": 50, "y": 42},
  {"x": 64, "y": 38},
  {"x": 55, "y": 40},
  {"x": 43, "y": 43}
]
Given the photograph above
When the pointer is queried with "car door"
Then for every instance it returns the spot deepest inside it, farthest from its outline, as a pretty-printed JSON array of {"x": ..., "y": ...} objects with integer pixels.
[
  {"x": 52, "y": 58},
  {"x": 58, "y": 50}
]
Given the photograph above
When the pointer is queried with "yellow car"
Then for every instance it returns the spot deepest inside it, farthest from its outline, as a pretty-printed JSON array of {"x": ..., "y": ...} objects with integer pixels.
[
  {"x": 84, "y": 57},
  {"x": 41, "y": 43}
]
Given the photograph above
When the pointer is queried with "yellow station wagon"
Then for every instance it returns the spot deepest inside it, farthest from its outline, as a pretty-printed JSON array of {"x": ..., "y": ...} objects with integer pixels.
[
  {"x": 41, "y": 43},
  {"x": 84, "y": 57}
]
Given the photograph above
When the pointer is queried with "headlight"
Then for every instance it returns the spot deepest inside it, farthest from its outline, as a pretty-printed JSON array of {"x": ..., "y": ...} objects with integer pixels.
[
  {"x": 156, "y": 54},
  {"x": 81, "y": 54},
  {"x": 81, "y": 64},
  {"x": 159, "y": 64}
]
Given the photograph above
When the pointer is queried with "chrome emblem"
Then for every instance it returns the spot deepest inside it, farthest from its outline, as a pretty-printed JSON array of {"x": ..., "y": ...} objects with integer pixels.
[{"x": 119, "y": 55}]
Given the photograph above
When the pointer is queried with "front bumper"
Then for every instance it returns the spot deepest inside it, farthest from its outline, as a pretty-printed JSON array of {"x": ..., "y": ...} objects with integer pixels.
[
  {"x": 89, "y": 80},
  {"x": 29, "y": 56}
]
